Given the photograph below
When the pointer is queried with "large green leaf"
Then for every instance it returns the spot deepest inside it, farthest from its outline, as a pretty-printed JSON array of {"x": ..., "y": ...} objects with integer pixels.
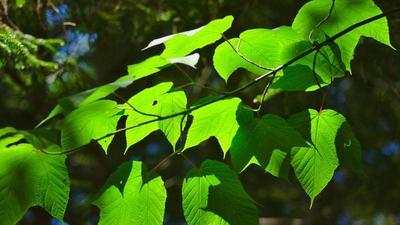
[
  {"x": 30, "y": 178},
  {"x": 213, "y": 195},
  {"x": 344, "y": 14},
  {"x": 266, "y": 142},
  {"x": 132, "y": 196},
  {"x": 314, "y": 166},
  {"x": 182, "y": 44},
  {"x": 214, "y": 120},
  {"x": 90, "y": 122},
  {"x": 270, "y": 48},
  {"x": 261, "y": 46},
  {"x": 152, "y": 102}
]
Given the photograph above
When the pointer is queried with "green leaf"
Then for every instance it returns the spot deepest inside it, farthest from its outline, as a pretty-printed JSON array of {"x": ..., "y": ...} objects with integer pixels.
[
  {"x": 299, "y": 76},
  {"x": 214, "y": 120},
  {"x": 170, "y": 104},
  {"x": 313, "y": 169},
  {"x": 182, "y": 44},
  {"x": 70, "y": 103},
  {"x": 132, "y": 196},
  {"x": 261, "y": 46},
  {"x": 154, "y": 64},
  {"x": 179, "y": 46},
  {"x": 266, "y": 142},
  {"x": 30, "y": 178},
  {"x": 272, "y": 48},
  {"x": 89, "y": 122},
  {"x": 150, "y": 102},
  {"x": 314, "y": 166},
  {"x": 344, "y": 14},
  {"x": 213, "y": 195}
]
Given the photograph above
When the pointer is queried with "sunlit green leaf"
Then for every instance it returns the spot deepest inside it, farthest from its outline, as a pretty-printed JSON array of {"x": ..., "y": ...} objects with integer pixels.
[
  {"x": 314, "y": 166},
  {"x": 154, "y": 64},
  {"x": 266, "y": 142},
  {"x": 30, "y": 178},
  {"x": 90, "y": 122},
  {"x": 214, "y": 120},
  {"x": 261, "y": 49},
  {"x": 152, "y": 102},
  {"x": 182, "y": 44},
  {"x": 344, "y": 14},
  {"x": 261, "y": 46},
  {"x": 213, "y": 195},
  {"x": 132, "y": 196},
  {"x": 170, "y": 104}
]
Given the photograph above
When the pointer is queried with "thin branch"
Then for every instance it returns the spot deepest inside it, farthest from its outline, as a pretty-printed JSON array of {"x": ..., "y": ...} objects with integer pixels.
[
  {"x": 190, "y": 161},
  {"x": 162, "y": 162},
  {"x": 193, "y": 82},
  {"x": 184, "y": 73},
  {"x": 200, "y": 86},
  {"x": 244, "y": 57},
  {"x": 133, "y": 107},
  {"x": 258, "y": 79},
  {"x": 322, "y": 21},
  {"x": 210, "y": 89},
  {"x": 314, "y": 73},
  {"x": 182, "y": 147},
  {"x": 266, "y": 88}
]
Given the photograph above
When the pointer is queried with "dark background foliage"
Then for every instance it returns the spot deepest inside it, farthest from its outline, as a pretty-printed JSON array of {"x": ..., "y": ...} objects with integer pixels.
[{"x": 106, "y": 36}]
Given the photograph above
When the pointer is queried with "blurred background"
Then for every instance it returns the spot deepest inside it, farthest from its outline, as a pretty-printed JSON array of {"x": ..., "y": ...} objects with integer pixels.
[{"x": 102, "y": 37}]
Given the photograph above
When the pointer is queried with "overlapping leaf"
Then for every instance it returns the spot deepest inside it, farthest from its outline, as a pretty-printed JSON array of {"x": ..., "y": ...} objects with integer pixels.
[
  {"x": 182, "y": 44},
  {"x": 261, "y": 50},
  {"x": 179, "y": 46},
  {"x": 214, "y": 120},
  {"x": 266, "y": 142},
  {"x": 314, "y": 166},
  {"x": 324, "y": 65},
  {"x": 213, "y": 195},
  {"x": 260, "y": 46},
  {"x": 344, "y": 14},
  {"x": 132, "y": 196}
]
